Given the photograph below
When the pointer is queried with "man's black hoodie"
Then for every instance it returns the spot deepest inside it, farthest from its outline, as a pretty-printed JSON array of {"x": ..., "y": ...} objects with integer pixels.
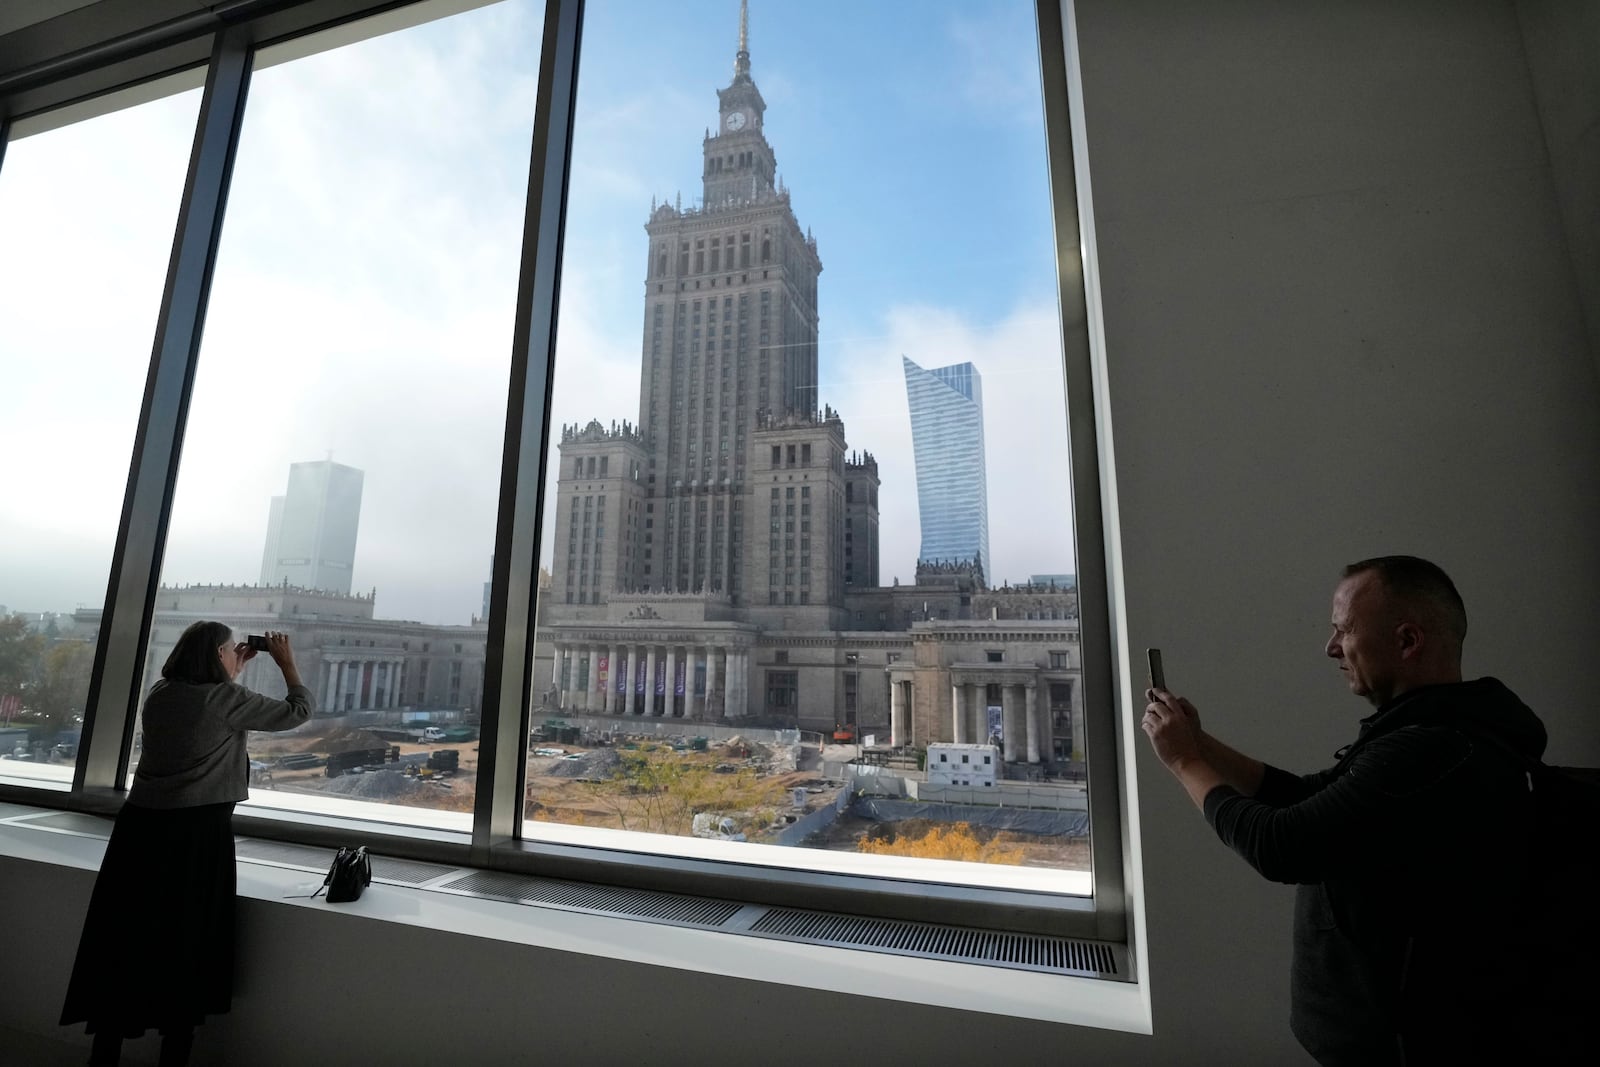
[{"x": 1400, "y": 853}]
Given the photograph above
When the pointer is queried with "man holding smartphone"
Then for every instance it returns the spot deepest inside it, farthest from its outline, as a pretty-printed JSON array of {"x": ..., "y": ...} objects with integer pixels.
[{"x": 1393, "y": 848}]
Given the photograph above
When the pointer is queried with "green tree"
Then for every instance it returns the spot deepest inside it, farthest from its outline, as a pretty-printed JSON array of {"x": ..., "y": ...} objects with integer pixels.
[
  {"x": 19, "y": 654},
  {"x": 63, "y": 687}
]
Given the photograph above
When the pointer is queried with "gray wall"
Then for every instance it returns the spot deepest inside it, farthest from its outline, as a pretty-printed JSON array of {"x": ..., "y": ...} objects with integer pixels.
[
  {"x": 1343, "y": 319},
  {"x": 1562, "y": 41}
]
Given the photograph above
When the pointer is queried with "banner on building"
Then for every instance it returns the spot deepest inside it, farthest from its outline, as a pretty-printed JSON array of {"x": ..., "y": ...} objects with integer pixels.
[
  {"x": 602, "y": 674},
  {"x": 661, "y": 677},
  {"x": 638, "y": 677},
  {"x": 622, "y": 674},
  {"x": 997, "y": 722},
  {"x": 677, "y": 683}
]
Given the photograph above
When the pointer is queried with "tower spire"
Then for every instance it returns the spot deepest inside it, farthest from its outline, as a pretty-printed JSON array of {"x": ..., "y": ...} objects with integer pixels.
[{"x": 741, "y": 62}]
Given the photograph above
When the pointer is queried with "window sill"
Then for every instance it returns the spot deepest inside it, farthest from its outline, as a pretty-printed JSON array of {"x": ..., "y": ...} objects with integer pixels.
[{"x": 1064, "y": 999}]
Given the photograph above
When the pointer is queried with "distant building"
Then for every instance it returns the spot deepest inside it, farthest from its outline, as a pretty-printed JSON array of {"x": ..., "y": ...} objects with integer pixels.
[
  {"x": 352, "y": 662},
  {"x": 1060, "y": 581},
  {"x": 311, "y": 529},
  {"x": 965, "y": 765},
  {"x": 947, "y": 440}
]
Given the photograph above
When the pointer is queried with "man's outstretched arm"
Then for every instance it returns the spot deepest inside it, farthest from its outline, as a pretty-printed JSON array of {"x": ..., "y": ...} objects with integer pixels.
[
  {"x": 1242, "y": 772},
  {"x": 1199, "y": 761}
]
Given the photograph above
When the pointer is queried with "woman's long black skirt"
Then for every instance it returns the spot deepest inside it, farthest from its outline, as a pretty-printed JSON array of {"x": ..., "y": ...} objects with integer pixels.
[{"x": 157, "y": 946}]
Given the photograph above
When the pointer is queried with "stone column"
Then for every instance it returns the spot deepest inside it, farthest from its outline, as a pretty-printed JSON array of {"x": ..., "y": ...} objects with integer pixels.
[
  {"x": 897, "y": 712},
  {"x": 691, "y": 709},
  {"x": 733, "y": 686},
  {"x": 668, "y": 705},
  {"x": 588, "y": 702},
  {"x": 711, "y": 678},
  {"x": 741, "y": 679},
  {"x": 649, "y": 681},
  {"x": 399, "y": 681},
  {"x": 978, "y": 713},
  {"x": 569, "y": 694},
  {"x": 958, "y": 724},
  {"x": 1013, "y": 722},
  {"x": 564, "y": 661},
  {"x": 611, "y": 681},
  {"x": 1031, "y": 708},
  {"x": 627, "y": 682},
  {"x": 330, "y": 689}
]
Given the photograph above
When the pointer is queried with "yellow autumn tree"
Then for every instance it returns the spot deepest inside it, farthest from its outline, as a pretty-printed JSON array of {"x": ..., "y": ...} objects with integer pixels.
[{"x": 943, "y": 843}]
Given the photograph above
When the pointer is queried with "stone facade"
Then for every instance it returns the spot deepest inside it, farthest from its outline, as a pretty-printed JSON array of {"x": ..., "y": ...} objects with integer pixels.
[{"x": 351, "y": 661}]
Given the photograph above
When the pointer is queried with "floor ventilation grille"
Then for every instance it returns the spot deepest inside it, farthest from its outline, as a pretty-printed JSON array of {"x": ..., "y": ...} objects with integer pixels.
[
  {"x": 1034, "y": 952},
  {"x": 633, "y": 903}
]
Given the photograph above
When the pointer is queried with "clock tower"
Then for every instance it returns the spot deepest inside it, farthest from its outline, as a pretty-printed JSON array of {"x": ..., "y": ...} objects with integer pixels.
[
  {"x": 739, "y": 163},
  {"x": 731, "y": 486}
]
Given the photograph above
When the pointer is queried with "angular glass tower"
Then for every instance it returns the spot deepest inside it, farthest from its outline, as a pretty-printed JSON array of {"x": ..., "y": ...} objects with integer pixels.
[
  {"x": 311, "y": 530},
  {"x": 947, "y": 439}
]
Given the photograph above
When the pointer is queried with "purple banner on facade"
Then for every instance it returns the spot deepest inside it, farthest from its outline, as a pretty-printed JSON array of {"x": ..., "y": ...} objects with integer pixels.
[
  {"x": 677, "y": 683},
  {"x": 622, "y": 674},
  {"x": 638, "y": 677},
  {"x": 661, "y": 677}
]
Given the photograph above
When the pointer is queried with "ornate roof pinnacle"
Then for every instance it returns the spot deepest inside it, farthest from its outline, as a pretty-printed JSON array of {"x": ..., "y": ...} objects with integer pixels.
[{"x": 741, "y": 61}]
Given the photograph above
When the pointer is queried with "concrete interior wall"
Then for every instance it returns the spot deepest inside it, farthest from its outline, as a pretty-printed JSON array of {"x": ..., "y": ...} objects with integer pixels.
[
  {"x": 1343, "y": 319},
  {"x": 1561, "y": 39}
]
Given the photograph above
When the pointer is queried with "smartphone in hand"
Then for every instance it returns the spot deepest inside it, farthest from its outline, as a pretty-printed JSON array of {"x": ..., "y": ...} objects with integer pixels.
[
  {"x": 1158, "y": 677},
  {"x": 257, "y": 642}
]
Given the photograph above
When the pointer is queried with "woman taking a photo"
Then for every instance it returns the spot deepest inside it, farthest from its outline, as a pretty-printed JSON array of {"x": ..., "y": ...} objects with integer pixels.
[{"x": 157, "y": 945}]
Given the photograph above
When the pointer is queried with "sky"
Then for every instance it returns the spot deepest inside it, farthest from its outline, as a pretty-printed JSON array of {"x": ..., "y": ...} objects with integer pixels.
[{"x": 365, "y": 289}]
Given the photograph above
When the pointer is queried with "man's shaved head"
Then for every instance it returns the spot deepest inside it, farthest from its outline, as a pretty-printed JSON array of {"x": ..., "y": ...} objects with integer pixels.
[{"x": 1421, "y": 590}]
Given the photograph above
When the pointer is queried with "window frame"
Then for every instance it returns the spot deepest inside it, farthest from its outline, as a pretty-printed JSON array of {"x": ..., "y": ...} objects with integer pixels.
[{"x": 224, "y": 51}]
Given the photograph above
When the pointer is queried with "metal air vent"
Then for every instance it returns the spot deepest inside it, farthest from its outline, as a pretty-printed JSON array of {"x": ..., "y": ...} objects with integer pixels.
[{"x": 959, "y": 944}]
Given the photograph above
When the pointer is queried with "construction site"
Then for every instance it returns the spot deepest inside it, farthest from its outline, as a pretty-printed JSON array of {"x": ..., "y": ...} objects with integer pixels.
[{"x": 780, "y": 789}]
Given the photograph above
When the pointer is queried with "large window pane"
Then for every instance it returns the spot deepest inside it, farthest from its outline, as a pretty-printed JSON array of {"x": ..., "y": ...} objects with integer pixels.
[
  {"x": 809, "y": 595},
  {"x": 87, "y": 213},
  {"x": 341, "y": 466}
]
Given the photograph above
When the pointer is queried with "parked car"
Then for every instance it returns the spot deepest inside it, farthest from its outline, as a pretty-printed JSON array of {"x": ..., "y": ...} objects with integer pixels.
[{"x": 431, "y": 734}]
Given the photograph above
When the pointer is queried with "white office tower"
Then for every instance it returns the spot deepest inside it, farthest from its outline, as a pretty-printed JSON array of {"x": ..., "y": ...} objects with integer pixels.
[{"x": 311, "y": 529}]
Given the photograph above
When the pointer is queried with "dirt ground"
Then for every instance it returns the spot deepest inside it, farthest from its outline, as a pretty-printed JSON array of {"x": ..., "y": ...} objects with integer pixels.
[{"x": 558, "y": 792}]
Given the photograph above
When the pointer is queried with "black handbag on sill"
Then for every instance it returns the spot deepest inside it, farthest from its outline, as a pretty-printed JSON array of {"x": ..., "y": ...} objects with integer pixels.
[{"x": 348, "y": 875}]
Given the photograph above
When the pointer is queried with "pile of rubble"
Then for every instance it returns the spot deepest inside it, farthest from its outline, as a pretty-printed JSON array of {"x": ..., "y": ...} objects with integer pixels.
[
  {"x": 599, "y": 765},
  {"x": 387, "y": 786}
]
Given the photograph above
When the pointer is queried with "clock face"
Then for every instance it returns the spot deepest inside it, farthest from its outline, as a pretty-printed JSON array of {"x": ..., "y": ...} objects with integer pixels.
[{"x": 736, "y": 121}]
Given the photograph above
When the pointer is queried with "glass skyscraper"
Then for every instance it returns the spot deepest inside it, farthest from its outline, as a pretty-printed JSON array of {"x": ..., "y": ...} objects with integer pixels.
[
  {"x": 947, "y": 440},
  {"x": 311, "y": 529}
]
